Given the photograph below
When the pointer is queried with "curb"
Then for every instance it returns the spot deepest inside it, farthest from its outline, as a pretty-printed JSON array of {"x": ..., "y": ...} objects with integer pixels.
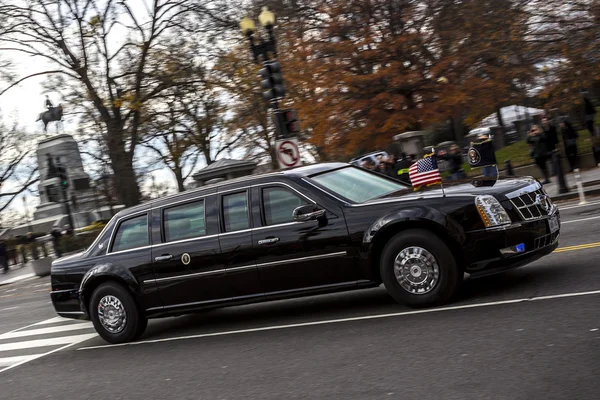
[
  {"x": 18, "y": 279},
  {"x": 575, "y": 195}
]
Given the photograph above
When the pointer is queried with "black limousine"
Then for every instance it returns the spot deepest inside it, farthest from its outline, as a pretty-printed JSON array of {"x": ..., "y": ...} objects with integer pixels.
[{"x": 315, "y": 229}]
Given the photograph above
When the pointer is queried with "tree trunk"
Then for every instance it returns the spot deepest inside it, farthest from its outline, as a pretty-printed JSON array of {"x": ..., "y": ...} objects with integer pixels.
[
  {"x": 273, "y": 154},
  {"x": 179, "y": 177},
  {"x": 125, "y": 180}
]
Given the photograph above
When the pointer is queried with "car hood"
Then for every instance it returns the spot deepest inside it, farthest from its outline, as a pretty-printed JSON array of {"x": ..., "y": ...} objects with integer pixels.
[{"x": 499, "y": 188}]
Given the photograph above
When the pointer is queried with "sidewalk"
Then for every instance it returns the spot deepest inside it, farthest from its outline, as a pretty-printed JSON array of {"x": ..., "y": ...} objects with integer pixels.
[
  {"x": 17, "y": 273},
  {"x": 590, "y": 180}
]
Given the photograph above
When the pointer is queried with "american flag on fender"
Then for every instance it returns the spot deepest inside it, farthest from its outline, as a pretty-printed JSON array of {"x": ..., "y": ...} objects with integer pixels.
[{"x": 424, "y": 172}]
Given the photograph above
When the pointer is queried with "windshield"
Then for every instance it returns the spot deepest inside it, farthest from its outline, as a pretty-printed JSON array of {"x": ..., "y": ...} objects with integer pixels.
[{"x": 357, "y": 185}]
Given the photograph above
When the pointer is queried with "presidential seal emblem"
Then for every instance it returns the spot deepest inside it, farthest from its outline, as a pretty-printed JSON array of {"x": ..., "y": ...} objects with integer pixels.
[
  {"x": 185, "y": 258},
  {"x": 474, "y": 156},
  {"x": 543, "y": 201}
]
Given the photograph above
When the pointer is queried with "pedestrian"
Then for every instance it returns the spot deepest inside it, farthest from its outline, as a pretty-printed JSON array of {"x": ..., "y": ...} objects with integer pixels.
[
  {"x": 590, "y": 110},
  {"x": 56, "y": 241},
  {"x": 454, "y": 157},
  {"x": 551, "y": 142},
  {"x": 569, "y": 137},
  {"x": 3, "y": 257},
  {"x": 536, "y": 138},
  {"x": 488, "y": 170},
  {"x": 402, "y": 167}
]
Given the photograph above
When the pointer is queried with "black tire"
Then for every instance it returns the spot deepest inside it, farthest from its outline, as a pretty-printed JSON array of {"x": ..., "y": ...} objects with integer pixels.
[
  {"x": 135, "y": 323},
  {"x": 449, "y": 278}
]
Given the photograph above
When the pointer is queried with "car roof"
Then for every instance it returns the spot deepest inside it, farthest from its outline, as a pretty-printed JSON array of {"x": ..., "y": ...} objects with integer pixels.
[{"x": 298, "y": 172}]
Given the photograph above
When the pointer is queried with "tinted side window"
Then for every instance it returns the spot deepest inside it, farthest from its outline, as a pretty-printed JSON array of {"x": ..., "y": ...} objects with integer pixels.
[
  {"x": 235, "y": 212},
  {"x": 184, "y": 222},
  {"x": 132, "y": 233},
  {"x": 279, "y": 204}
]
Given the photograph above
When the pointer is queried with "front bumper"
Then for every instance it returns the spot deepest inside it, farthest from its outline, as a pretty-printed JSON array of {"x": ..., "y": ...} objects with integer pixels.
[{"x": 492, "y": 251}]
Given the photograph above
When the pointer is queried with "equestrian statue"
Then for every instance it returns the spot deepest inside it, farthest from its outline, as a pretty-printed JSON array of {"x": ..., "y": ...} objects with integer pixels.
[{"x": 51, "y": 114}]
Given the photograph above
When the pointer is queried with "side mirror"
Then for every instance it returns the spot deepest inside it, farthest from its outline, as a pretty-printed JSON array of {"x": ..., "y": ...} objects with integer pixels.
[{"x": 308, "y": 212}]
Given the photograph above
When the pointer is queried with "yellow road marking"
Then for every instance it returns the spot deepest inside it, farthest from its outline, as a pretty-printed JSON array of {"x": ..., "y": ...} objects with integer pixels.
[{"x": 577, "y": 247}]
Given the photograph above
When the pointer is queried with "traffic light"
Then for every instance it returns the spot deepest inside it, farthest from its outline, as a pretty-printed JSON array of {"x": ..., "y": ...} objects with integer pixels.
[
  {"x": 272, "y": 81},
  {"x": 62, "y": 176},
  {"x": 287, "y": 121},
  {"x": 291, "y": 122}
]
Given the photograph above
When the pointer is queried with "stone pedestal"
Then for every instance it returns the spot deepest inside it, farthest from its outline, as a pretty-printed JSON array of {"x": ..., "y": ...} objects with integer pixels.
[{"x": 64, "y": 150}]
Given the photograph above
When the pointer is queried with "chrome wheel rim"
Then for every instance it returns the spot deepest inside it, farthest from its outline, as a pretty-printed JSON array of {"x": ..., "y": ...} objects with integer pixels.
[
  {"x": 416, "y": 270},
  {"x": 112, "y": 314}
]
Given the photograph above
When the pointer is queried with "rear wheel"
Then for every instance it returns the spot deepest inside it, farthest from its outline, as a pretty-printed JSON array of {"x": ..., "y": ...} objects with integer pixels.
[
  {"x": 418, "y": 269},
  {"x": 115, "y": 314}
]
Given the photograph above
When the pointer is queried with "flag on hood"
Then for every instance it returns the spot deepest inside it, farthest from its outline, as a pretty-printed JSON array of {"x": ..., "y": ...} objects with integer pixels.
[{"x": 425, "y": 172}]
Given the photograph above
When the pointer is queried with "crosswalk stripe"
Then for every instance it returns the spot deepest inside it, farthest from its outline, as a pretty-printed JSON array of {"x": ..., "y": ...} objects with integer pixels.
[
  {"x": 46, "y": 342},
  {"x": 43, "y": 331},
  {"x": 54, "y": 321},
  {"x": 6, "y": 361}
]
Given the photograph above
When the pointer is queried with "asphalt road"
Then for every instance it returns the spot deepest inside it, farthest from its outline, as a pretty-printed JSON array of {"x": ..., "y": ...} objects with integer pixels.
[{"x": 532, "y": 333}]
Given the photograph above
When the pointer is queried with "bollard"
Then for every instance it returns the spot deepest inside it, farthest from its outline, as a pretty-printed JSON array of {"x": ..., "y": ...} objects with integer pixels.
[
  {"x": 508, "y": 168},
  {"x": 579, "y": 187},
  {"x": 562, "y": 183}
]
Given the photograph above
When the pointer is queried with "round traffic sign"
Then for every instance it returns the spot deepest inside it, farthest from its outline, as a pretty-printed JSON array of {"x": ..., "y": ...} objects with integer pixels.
[{"x": 288, "y": 153}]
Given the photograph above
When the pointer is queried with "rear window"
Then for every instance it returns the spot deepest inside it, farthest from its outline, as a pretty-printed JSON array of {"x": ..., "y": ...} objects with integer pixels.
[{"x": 132, "y": 233}]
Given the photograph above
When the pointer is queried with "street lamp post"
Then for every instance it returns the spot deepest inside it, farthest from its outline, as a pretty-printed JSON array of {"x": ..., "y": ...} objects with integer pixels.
[{"x": 264, "y": 52}]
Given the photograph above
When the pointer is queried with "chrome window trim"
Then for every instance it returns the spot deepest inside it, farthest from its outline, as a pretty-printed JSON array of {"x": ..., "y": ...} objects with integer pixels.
[
  {"x": 200, "y": 197},
  {"x": 186, "y": 240},
  {"x": 118, "y": 224},
  {"x": 162, "y": 219},
  {"x": 128, "y": 250},
  {"x": 233, "y": 232},
  {"x": 279, "y": 225}
]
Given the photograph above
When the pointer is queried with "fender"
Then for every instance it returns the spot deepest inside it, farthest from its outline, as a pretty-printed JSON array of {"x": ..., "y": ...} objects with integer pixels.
[
  {"x": 100, "y": 271},
  {"x": 429, "y": 217}
]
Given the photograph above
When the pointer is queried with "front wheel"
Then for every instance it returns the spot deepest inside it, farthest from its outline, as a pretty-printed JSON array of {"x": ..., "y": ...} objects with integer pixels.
[
  {"x": 115, "y": 314},
  {"x": 419, "y": 270}
]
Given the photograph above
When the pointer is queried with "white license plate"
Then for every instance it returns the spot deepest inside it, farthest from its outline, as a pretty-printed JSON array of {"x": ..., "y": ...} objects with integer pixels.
[{"x": 553, "y": 223}]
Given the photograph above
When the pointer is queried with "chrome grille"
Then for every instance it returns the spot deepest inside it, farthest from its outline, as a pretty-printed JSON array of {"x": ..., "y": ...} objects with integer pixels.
[
  {"x": 527, "y": 207},
  {"x": 546, "y": 240}
]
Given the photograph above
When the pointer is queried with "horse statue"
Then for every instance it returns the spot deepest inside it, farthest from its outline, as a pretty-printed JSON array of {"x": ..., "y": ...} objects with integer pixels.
[{"x": 53, "y": 114}]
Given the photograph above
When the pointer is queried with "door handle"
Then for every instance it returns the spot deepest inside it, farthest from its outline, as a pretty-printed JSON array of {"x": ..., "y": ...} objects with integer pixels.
[
  {"x": 269, "y": 240},
  {"x": 164, "y": 257}
]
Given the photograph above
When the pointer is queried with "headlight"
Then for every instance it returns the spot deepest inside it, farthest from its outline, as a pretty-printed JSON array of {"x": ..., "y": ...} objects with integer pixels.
[{"x": 491, "y": 211}]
